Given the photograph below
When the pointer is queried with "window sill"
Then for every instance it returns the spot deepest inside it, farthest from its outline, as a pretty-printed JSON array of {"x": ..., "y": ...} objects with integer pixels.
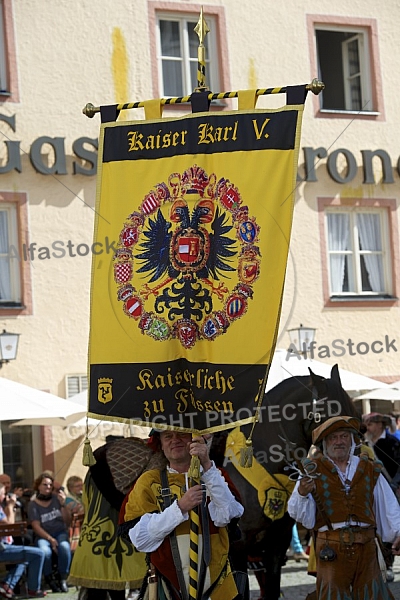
[
  {"x": 11, "y": 305},
  {"x": 362, "y": 114},
  {"x": 375, "y": 301},
  {"x": 362, "y": 297}
]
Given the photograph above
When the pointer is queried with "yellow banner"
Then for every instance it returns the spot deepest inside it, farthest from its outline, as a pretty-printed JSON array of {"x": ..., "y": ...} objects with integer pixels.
[{"x": 195, "y": 213}]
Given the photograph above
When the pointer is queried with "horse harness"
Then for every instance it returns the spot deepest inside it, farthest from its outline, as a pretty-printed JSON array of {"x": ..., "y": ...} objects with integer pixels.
[{"x": 314, "y": 415}]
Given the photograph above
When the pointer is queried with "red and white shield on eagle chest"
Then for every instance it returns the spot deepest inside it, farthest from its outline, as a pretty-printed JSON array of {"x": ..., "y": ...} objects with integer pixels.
[{"x": 188, "y": 249}]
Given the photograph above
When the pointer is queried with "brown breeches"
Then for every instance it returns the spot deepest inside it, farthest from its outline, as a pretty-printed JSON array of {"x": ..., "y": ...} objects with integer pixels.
[{"x": 355, "y": 572}]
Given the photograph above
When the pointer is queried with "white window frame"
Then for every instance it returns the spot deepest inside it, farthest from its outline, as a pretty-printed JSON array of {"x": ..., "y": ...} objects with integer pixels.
[
  {"x": 361, "y": 34},
  {"x": 4, "y": 83},
  {"x": 81, "y": 382},
  {"x": 212, "y": 59},
  {"x": 14, "y": 250},
  {"x": 364, "y": 73},
  {"x": 355, "y": 251}
]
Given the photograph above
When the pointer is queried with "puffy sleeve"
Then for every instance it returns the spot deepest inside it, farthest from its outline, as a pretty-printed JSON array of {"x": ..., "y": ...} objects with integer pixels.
[
  {"x": 223, "y": 506},
  {"x": 149, "y": 532},
  {"x": 302, "y": 508},
  {"x": 387, "y": 510}
]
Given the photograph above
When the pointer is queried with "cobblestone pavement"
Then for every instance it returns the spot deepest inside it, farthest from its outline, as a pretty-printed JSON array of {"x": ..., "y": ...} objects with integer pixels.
[{"x": 296, "y": 584}]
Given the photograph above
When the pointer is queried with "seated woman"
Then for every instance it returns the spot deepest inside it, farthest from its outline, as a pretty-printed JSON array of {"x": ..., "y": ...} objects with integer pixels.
[
  {"x": 50, "y": 519},
  {"x": 33, "y": 557}
]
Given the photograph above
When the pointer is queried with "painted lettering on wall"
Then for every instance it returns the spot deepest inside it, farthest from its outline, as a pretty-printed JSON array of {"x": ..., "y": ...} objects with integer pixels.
[{"x": 85, "y": 149}]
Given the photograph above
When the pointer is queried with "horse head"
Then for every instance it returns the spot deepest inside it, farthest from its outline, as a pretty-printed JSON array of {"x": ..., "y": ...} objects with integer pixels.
[
  {"x": 291, "y": 411},
  {"x": 329, "y": 399}
]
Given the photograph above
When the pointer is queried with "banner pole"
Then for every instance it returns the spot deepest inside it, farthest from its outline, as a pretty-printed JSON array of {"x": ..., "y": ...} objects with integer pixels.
[
  {"x": 194, "y": 470},
  {"x": 201, "y": 29},
  {"x": 316, "y": 86}
]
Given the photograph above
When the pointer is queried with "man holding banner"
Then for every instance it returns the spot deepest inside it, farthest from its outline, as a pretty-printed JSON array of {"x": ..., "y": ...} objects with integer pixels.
[
  {"x": 158, "y": 509},
  {"x": 185, "y": 314}
]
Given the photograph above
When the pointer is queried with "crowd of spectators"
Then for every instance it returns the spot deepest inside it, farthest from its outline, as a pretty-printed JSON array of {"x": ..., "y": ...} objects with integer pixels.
[{"x": 46, "y": 545}]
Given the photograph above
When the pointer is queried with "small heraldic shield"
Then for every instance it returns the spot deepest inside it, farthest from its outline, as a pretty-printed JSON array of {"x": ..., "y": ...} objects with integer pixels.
[
  {"x": 104, "y": 390},
  {"x": 275, "y": 503}
]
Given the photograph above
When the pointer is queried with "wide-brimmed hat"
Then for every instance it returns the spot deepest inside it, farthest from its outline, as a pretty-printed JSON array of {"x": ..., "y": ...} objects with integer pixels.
[
  {"x": 375, "y": 417},
  {"x": 332, "y": 425}
]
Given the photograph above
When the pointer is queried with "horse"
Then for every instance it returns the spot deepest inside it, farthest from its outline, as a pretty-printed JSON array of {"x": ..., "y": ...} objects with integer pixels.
[{"x": 291, "y": 411}]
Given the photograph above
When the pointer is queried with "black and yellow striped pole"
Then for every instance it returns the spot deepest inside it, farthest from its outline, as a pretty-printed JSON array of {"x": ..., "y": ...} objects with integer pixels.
[
  {"x": 316, "y": 86},
  {"x": 194, "y": 471},
  {"x": 194, "y": 520},
  {"x": 194, "y": 524},
  {"x": 201, "y": 29}
]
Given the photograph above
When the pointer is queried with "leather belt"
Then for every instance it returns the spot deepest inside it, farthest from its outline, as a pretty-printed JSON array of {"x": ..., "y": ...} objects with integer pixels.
[{"x": 348, "y": 535}]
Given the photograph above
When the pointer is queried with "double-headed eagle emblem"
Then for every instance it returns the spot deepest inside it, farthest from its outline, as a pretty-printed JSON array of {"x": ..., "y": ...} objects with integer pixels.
[{"x": 179, "y": 251}]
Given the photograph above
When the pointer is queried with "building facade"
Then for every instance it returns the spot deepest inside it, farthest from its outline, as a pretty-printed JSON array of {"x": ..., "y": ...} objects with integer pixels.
[{"x": 344, "y": 266}]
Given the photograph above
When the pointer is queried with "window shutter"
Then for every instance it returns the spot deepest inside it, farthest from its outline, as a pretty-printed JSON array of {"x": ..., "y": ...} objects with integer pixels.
[{"x": 75, "y": 384}]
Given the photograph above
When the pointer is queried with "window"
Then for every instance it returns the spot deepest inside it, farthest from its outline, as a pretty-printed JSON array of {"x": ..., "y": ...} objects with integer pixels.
[
  {"x": 75, "y": 384},
  {"x": 174, "y": 44},
  {"x": 17, "y": 454},
  {"x": 8, "y": 63},
  {"x": 15, "y": 272},
  {"x": 358, "y": 255},
  {"x": 4, "y": 83},
  {"x": 344, "y": 54},
  {"x": 177, "y": 45},
  {"x": 10, "y": 281},
  {"x": 344, "y": 67}
]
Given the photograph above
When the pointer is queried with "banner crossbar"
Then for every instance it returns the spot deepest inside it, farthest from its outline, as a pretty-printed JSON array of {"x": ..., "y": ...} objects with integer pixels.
[{"x": 316, "y": 86}]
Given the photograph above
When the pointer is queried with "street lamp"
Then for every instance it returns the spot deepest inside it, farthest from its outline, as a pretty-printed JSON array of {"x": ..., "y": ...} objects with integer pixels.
[
  {"x": 300, "y": 339},
  {"x": 8, "y": 346}
]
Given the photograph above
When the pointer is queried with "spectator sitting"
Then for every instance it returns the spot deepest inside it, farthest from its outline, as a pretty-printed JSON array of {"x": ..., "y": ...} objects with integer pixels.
[
  {"x": 50, "y": 519},
  {"x": 74, "y": 504},
  {"x": 34, "y": 557},
  {"x": 73, "y": 501},
  {"x": 20, "y": 512}
]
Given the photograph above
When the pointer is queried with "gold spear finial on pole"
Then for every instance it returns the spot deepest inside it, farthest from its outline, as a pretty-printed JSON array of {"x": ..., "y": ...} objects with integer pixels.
[{"x": 201, "y": 29}]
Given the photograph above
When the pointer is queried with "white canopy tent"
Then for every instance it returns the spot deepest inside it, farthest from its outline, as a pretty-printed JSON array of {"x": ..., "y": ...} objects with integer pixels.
[
  {"x": 388, "y": 395},
  {"x": 20, "y": 401},
  {"x": 76, "y": 422},
  {"x": 287, "y": 364},
  {"x": 107, "y": 427}
]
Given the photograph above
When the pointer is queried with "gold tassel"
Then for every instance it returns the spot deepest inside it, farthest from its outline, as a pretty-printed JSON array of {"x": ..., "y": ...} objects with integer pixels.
[
  {"x": 194, "y": 469},
  {"x": 246, "y": 454},
  {"x": 88, "y": 458}
]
